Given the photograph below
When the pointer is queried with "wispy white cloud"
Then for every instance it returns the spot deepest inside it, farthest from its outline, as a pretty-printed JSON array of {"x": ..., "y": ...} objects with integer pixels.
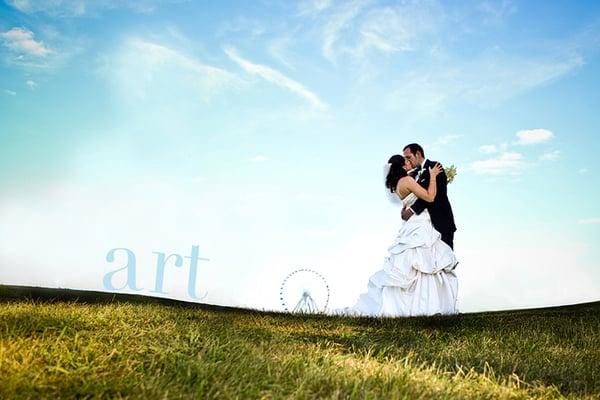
[
  {"x": 445, "y": 140},
  {"x": 583, "y": 170},
  {"x": 550, "y": 156},
  {"x": 140, "y": 67},
  {"x": 22, "y": 40},
  {"x": 589, "y": 221},
  {"x": 242, "y": 24},
  {"x": 337, "y": 22},
  {"x": 533, "y": 136},
  {"x": 79, "y": 8},
  {"x": 400, "y": 28},
  {"x": 497, "y": 75},
  {"x": 31, "y": 84},
  {"x": 506, "y": 163},
  {"x": 271, "y": 75},
  {"x": 496, "y": 12},
  {"x": 362, "y": 28},
  {"x": 160, "y": 54},
  {"x": 488, "y": 148},
  {"x": 417, "y": 95},
  {"x": 313, "y": 7},
  {"x": 10, "y": 92},
  {"x": 385, "y": 31},
  {"x": 277, "y": 48},
  {"x": 180, "y": 37},
  {"x": 486, "y": 80}
]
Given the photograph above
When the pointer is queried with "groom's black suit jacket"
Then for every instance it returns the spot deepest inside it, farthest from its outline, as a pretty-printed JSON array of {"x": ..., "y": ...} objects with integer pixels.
[{"x": 439, "y": 210}]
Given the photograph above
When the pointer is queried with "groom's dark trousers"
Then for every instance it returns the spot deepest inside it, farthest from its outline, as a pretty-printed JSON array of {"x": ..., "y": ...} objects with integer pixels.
[{"x": 440, "y": 209}]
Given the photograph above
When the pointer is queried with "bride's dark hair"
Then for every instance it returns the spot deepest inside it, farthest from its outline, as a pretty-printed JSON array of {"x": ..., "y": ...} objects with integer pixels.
[{"x": 396, "y": 172}]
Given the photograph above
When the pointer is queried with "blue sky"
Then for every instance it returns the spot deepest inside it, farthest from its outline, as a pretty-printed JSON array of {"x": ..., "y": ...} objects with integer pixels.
[{"x": 258, "y": 131}]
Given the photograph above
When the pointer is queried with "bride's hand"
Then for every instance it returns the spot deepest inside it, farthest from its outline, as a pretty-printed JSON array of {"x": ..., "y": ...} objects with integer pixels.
[{"x": 435, "y": 170}]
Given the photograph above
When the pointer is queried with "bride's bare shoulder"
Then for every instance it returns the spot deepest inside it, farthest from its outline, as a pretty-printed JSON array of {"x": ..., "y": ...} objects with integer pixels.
[
  {"x": 403, "y": 186},
  {"x": 405, "y": 181}
]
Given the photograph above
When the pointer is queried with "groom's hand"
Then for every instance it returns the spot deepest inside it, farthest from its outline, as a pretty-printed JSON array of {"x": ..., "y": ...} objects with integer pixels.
[{"x": 406, "y": 213}]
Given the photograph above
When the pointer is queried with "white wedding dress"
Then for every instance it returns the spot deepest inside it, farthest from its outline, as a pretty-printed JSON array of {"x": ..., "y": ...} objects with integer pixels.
[{"x": 417, "y": 277}]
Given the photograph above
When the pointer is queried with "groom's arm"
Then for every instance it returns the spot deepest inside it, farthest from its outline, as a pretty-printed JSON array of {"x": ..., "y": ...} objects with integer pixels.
[
  {"x": 419, "y": 205},
  {"x": 441, "y": 182},
  {"x": 417, "y": 208}
]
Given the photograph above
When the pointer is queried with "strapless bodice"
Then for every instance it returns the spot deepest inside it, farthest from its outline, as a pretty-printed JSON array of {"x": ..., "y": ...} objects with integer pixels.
[{"x": 409, "y": 200}]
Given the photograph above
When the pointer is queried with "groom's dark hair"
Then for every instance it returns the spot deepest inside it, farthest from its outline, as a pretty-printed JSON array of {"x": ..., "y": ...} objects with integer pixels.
[{"x": 414, "y": 148}]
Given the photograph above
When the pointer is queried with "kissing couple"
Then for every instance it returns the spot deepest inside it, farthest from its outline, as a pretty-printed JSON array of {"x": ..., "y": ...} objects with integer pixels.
[{"x": 417, "y": 277}]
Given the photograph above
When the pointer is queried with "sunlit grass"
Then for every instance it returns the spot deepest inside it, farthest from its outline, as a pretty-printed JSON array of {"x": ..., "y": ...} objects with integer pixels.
[{"x": 115, "y": 350}]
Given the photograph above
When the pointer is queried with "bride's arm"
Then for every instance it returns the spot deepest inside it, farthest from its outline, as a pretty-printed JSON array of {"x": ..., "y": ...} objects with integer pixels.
[{"x": 429, "y": 194}]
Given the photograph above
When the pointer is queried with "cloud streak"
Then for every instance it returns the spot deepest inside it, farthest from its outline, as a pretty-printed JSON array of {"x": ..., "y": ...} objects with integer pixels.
[
  {"x": 488, "y": 148},
  {"x": 141, "y": 67},
  {"x": 313, "y": 7},
  {"x": 80, "y": 8},
  {"x": 550, "y": 156},
  {"x": 491, "y": 79},
  {"x": 273, "y": 76},
  {"x": 505, "y": 163},
  {"x": 397, "y": 29},
  {"x": 337, "y": 23},
  {"x": 361, "y": 28}
]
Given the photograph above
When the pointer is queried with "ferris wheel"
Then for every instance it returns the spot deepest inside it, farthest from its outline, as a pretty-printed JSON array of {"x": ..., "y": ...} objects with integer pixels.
[{"x": 304, "y": 291}]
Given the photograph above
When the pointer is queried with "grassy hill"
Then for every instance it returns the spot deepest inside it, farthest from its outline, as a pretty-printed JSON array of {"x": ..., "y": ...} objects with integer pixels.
[{"x": 121, "y": 346}]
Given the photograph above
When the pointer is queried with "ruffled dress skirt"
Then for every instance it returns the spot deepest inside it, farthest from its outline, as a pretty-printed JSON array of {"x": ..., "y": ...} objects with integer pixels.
[{"x": 417, "y": 277}]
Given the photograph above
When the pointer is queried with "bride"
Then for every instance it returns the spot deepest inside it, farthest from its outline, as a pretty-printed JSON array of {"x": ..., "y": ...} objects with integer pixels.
[{"x": 417, "y": 277}]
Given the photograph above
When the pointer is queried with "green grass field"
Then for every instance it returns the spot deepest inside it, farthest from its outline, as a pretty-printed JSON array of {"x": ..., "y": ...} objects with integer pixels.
[{"x": 67, "y": 349}]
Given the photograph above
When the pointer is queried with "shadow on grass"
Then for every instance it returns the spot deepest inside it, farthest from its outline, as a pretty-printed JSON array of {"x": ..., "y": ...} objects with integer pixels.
[{"x": 555, "y": 348}]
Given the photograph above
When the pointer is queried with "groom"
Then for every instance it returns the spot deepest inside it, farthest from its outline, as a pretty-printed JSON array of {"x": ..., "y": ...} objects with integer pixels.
[{"x": 439, "y": 210}]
